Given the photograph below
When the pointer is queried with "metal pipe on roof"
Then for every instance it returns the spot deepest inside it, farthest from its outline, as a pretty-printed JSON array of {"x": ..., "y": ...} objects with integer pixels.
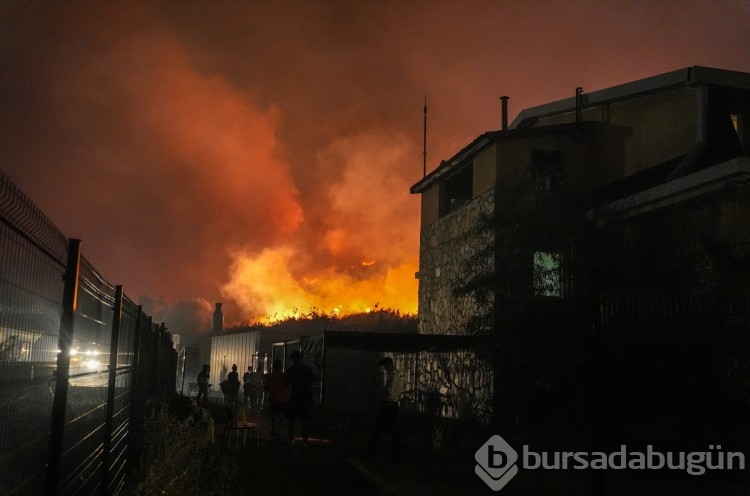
[
  {"x": 504, "y": 105},
  {"x": 579, "y": 104}
]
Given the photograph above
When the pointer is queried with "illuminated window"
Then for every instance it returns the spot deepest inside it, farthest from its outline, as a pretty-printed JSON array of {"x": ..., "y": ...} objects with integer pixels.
[{"x": 547, "y": 274}]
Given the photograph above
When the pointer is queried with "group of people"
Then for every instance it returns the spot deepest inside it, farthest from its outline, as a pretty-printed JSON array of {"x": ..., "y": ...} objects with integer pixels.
[
  {"x": 290, "y": 395},
  {"x": 252, "y": 387}
]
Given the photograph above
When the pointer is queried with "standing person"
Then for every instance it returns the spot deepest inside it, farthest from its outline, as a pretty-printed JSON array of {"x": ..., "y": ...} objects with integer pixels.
[
  {"x": 299, "y": 378},
  {"x": 390, "y": 390},
  {"x": 202, "y": 378},
  {"x": 233, "y": 377},
  {"x": 278, "y": 396},
  {"x": 256, "y": 390},
  {"x": 247, "y": 384},
  {"x": 233, "y": 383}
]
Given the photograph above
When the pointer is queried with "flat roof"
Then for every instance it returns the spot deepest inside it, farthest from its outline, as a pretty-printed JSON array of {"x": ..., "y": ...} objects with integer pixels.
[
  {"x": 492, "y": 137},
  {"x": 686, "y": 76},
  {"x": 698, "y": 183},
  {"x": 525, "y": 120},
  {"x": 402, "y": 342}
]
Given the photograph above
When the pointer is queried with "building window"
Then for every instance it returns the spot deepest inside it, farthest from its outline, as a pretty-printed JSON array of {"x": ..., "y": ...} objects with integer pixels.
[
  {"x": 457, "y": 189},
  {"x": 740, "y": 124},
  {"x": 547, "y": 169},
  {"x": 548, "y": 274}
]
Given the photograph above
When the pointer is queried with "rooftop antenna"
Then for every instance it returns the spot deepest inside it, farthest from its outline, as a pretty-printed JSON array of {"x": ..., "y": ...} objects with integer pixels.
[{"x": 424, "y": 150}]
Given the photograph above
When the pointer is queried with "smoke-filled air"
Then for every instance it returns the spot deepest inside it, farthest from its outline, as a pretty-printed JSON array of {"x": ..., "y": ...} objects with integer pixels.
[{"x": 260, "y": 154}]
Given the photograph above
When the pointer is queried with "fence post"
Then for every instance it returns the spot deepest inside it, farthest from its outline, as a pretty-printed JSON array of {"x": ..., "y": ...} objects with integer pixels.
[
  {"x": 135, "y": 404},
  {"x": 598, "y": 402},
  {"x": 154, "y": 358},
  {"x": 109, "y": 416},
  {"x": 62, "y": 373}
]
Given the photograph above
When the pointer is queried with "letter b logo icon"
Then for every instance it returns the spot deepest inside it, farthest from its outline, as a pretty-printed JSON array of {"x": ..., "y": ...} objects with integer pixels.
[
  {"x": 496, "y": 462},
  {"x": 496, "y": 459}
]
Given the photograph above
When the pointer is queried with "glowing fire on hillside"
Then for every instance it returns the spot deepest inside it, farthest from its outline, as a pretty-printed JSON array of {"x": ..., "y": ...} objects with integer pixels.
[{"x": 267, "y": 287}]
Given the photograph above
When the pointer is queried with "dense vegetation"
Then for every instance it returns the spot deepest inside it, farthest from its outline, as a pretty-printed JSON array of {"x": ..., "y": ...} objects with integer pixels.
[{"x": 315, "y": 321}]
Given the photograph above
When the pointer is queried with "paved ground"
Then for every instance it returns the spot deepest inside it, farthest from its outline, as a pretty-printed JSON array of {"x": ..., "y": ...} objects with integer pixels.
[
  {"x": 333, "y": 465},
  {"x": 275, "y": 469}
]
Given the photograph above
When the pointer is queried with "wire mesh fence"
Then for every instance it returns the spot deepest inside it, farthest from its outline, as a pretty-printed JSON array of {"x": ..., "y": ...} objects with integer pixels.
[{"x": 72, "y": 400}]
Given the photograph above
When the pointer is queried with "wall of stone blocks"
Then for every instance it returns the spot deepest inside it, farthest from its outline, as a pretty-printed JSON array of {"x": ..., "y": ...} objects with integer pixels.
[{"x": 456, "y": 384}]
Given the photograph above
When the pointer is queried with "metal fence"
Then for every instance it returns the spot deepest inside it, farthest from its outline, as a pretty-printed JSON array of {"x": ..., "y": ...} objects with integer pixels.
[
  {"x": 683, "y": 313},
  {"x": 675, "y": 374},
  {"x": 78, "y": 362}
]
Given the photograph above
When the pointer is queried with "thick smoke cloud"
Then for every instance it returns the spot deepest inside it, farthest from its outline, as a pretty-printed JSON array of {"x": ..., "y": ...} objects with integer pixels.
[
  {"x": 192, "y": 316},
  {"x": 361, "y": 253},
  {"x": 261, "y": 153}
]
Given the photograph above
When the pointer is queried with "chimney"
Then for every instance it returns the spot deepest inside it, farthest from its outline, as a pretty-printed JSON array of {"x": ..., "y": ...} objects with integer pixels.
[
  {"x": 504, "y": 103},
  {"x": 218, "y": 319}
]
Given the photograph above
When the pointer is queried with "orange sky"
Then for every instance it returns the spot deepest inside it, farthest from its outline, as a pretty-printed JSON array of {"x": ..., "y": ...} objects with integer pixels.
[{"x": 257, "y": 153}]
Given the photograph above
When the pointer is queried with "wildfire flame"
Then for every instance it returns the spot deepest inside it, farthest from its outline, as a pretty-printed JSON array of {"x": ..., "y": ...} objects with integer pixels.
[
  {"x": 353, "y": 252},
  {"x": 266, "y": 286}
]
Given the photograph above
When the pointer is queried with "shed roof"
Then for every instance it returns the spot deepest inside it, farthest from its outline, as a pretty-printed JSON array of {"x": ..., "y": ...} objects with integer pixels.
[{"x": 402, "y": 342}]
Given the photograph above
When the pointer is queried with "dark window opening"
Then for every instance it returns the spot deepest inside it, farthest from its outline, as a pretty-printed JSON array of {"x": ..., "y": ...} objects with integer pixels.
[
  {"x": 547, "y": 169},
  {"x": 742, "y": 128},
  {"x": 456, "y": 190}
]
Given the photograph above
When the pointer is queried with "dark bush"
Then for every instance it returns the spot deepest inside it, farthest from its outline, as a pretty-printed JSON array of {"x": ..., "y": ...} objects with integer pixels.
[{"x": 178, "y": 457}]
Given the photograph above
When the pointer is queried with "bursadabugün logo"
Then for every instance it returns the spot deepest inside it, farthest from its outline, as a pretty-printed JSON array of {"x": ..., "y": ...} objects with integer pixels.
[{"x": 496, "y": 462}]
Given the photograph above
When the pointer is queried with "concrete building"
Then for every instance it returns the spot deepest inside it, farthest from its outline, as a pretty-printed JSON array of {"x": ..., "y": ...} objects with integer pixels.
[{"x": 648, "y": 181}]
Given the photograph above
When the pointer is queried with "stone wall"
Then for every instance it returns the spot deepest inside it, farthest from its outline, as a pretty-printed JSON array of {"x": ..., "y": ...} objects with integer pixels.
[
  {"x": 458, "y": 384},
  {"x": 444, "y": 249}
]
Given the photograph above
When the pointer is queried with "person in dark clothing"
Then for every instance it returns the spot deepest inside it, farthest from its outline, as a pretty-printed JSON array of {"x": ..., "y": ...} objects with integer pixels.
[
  {"x": 278, "y": 397},
  {"x": 390, "y": 390},
  {"x": 247, "y": 385},
  {"x": 233, "y": 383},
  {"x": 202, "y": 378},
  {"x": 233, "y": 377},
  {"x": 299, "y": 378}
]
